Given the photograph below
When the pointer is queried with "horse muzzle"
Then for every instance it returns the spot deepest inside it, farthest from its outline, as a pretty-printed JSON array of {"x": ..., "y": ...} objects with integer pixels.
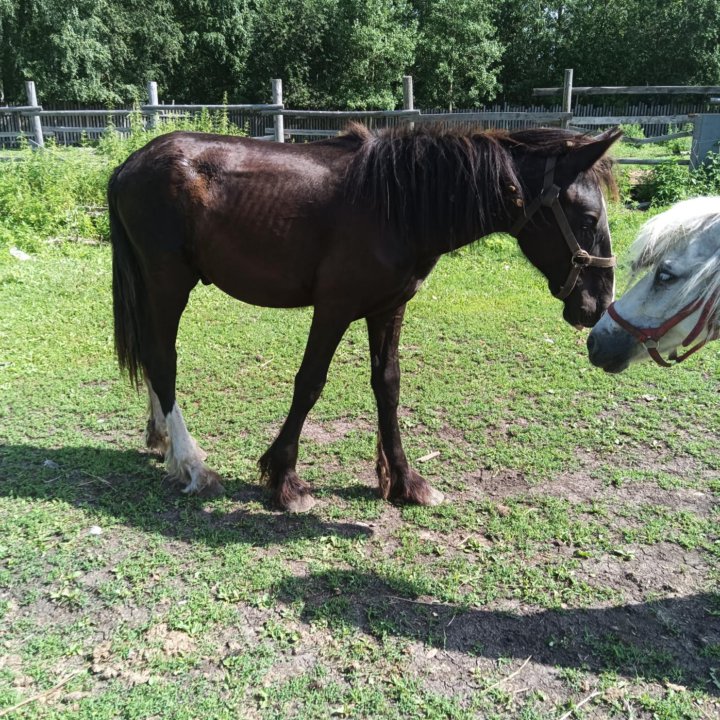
[{"x": 611, "y": 350}]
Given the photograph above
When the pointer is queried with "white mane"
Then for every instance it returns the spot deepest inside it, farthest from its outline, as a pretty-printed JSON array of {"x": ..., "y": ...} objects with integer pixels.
[{"x": 695, "y": 220}]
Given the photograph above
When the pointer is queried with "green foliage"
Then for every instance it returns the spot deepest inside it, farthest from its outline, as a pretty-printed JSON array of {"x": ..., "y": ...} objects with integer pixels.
[
  {"x": 669, "y": 182},
  {"x": 339, "y": 53},
  {"x": 664, "y": 184},
  {"x": 58, "y": 193},
  {"x": 618, "y": 42},
  {"x": 633, "y": 131},
  {"x": 348, "y": 53},
  {"x": 706, "y": 179},
  {"x": 458, "y": 53}
]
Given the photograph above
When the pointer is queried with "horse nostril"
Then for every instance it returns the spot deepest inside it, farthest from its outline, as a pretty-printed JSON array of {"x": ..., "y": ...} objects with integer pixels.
[{"x": 591, "y": 343}]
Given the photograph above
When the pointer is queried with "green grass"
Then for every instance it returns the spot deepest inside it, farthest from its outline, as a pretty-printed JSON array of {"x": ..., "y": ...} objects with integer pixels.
[{"x": 580, "y": 527}]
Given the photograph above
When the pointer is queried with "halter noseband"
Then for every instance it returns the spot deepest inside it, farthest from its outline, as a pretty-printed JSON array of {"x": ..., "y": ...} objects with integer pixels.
[
  {"x": 650, "y": 337},
  {"x": 550, "y": 197}
]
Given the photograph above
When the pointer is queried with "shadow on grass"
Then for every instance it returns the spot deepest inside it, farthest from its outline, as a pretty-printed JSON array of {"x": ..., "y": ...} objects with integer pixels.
[
  {"x": 673, "y": 639},
  {"x": 128, "y": 486}
]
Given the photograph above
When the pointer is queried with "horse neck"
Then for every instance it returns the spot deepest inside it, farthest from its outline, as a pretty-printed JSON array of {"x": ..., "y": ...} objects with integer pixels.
[{"x": 456, "y": 210}]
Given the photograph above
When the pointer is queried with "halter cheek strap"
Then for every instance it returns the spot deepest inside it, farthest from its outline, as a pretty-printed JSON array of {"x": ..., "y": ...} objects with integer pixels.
[
  {"x": 549, "y": 197},
  {"x": 650, "y": 337}
]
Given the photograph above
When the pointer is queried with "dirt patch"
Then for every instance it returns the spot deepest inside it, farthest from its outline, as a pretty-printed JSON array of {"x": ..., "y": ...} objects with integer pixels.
[
  {"x": 330, "y": 432},
  {"x": 589, "y": 487}
]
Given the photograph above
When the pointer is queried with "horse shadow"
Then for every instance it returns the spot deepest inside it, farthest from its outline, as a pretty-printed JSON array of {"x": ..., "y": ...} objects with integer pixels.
[
  {"x": 670, "y": 640},
  {"x": 129, "y": 487}
]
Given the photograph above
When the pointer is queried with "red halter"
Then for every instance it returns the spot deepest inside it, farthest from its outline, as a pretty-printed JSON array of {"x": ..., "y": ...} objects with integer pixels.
[{"x": 650, "y": 337}]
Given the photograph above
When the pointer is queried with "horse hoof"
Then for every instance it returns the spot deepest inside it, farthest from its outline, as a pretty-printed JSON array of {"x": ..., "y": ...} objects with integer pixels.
[
  {"x": 434, "y": 497},
  {"x": 300, "y": 504},
  {"x": 203, "y": 482},
  {"x": 156, "y": 441},
  {"x": 212, "y": 489}
]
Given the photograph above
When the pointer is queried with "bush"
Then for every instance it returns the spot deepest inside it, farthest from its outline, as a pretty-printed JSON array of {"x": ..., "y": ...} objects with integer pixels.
[
  {"x": 706, "y": 179},
  {"x": 669, "y": 182},
  {"x": 59, "y": 193}
]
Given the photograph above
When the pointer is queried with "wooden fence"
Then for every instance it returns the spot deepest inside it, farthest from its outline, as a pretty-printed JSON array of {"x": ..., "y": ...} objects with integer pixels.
[{"x": 68, "y": 126}]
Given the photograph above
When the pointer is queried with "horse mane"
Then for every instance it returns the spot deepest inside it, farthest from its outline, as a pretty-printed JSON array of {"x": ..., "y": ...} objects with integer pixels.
[
  {"x": 557, "y": 141},
  {"x": 675, "y": 229},
  {"x": 430, "y": 180}
]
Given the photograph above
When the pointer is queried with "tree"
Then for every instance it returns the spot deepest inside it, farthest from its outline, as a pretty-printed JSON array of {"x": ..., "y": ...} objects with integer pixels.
[
  {"x": 458, "y": 53},
  {"x": 214, "y": 48},
  {"x": 88, "y": 51},
  {"x": 342, "y": 53},
  {"x": 528, "y": 31}
]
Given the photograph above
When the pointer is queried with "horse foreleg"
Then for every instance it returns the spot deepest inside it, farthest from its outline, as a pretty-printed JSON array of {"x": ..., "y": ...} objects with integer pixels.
[
  {"x": 277, "y": 465},
  {"x": 397, "y": 480}
]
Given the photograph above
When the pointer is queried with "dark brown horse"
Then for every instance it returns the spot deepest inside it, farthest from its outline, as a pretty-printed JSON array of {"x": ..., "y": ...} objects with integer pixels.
[{"x": 351, "y": 226}]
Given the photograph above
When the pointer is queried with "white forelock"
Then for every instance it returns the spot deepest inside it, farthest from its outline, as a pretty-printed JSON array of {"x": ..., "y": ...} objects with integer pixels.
[
  {"x": 687, "y": 222},
  {"x": 675, "y": 228}
]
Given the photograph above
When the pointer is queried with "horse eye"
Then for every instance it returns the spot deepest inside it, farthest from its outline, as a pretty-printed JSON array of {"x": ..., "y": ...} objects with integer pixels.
[{"x": 588, "y": 222}]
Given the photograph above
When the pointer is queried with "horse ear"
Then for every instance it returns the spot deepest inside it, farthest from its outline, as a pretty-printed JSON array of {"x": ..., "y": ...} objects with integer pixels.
[{"x": 582, "y": 157}]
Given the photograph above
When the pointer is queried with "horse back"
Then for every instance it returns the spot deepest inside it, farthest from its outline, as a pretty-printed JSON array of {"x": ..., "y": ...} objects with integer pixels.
[{"x": 248, "y": 215}]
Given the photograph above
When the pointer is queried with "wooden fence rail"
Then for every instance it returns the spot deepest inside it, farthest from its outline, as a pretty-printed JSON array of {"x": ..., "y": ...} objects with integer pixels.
[{"x": 68, "y": 126}]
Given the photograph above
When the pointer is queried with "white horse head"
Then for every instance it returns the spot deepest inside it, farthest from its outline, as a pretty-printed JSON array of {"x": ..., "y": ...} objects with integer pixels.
[{"x": 673, "y": 309}]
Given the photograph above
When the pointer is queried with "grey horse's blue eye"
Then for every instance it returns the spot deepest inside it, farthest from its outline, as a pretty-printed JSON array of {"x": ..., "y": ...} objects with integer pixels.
[{"x": 665, "y": 276}]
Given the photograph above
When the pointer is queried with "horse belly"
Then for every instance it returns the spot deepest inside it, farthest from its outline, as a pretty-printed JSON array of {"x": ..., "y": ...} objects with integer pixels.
[{"x": 260, "y": 268}]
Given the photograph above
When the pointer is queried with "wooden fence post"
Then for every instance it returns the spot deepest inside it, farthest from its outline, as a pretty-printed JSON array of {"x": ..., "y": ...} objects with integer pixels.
[
  {"x": 278, "y": 120},
  {"x": 706, "y": 138},
  {"x": 567, "y": 95},
  {"x": 36, "y": 124},
  {"x": 152, "y": 100},
  {"x": 408, "y": 96}
]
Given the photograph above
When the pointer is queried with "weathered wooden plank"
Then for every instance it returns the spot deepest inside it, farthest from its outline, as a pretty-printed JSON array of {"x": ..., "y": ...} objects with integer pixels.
[
  {"x": 339, "y": 114},
  {"x": 538, "y": 117},
  {"x": 55, "y": 129},
  {"x": 650, "y": 161},
  {"x": 29, "y": 109},
  {"x": 247, "y": 108},
  {"x": 633, "y": 120},
  {"x": 82, "y": 113},
  {"x": 633, "y": 90},
  {"x": 657, "y": 138},
  {"x": 312, "y": 133}
]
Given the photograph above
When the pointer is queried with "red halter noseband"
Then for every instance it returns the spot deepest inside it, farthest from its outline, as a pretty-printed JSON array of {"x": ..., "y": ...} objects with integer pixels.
[
  {"x": 550, "y": 197},
  {"x": 650, "y": 337}
]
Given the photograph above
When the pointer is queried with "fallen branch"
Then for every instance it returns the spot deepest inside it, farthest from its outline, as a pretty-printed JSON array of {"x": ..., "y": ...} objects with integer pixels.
[
  {"x": 505, "y": 679},
  {"x": 40, "y": 696},
  {"x": 593, "y": 694}
]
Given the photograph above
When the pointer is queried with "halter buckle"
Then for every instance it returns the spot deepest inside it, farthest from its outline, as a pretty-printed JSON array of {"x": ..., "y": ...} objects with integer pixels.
[{"x": 581, "y": 258}]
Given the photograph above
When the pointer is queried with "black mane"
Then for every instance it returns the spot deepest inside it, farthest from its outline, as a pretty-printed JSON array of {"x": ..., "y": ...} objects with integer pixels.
[{"x": 431, "y": 180}]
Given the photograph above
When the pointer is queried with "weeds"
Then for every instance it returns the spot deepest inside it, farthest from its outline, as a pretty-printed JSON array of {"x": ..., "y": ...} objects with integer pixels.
[{"x": 59, "y": 193}]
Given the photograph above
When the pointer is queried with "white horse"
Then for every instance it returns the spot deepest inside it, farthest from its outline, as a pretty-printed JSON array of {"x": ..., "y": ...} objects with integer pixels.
[{"x": 674, "y": 308}]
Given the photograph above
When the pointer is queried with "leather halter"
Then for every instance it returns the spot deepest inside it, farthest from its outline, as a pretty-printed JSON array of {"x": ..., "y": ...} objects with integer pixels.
[
  {"x": 549, "y": 197},
  {"x": 650, "y": 337}
]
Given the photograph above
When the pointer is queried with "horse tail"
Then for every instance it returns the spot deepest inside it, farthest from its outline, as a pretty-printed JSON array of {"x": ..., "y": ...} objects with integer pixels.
[{"x": 128, "y": 287}]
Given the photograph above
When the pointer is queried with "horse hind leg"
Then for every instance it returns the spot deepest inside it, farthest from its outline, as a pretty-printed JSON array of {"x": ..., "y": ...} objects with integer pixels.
[
  {"x": 156, "y": 432},
  {"x": 166, "y": 430},
  {"x": 185, "y": 460}
]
